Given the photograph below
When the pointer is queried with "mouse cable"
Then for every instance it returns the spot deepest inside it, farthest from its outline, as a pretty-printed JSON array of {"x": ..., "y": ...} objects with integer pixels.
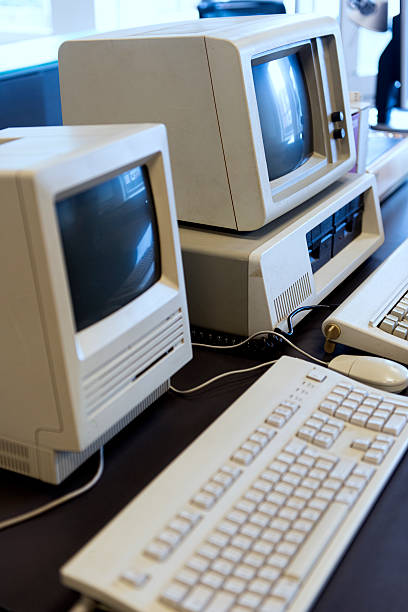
[
  {"x": 232, "y": 346},
  {"x": 56, "y": 502}
]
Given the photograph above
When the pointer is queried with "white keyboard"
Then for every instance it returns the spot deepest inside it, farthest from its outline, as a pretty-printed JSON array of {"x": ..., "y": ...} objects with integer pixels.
[
  {"x": 374, "y": 318},
  {"x": 257, "y": 511}
]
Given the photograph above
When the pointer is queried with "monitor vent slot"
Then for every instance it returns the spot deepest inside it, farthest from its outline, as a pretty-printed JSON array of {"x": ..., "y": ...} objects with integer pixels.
[
  {"x": 292, "y": 297},
  {"x": 122, "y": 371},
  {"x": 12, "y": 457},
  {"x": 13, "y": 448}
]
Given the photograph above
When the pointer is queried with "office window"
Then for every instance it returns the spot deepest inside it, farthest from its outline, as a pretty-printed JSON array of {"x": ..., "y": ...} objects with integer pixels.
[
  {"x": 25, "y": 16},
  {"x": 21, "y": 19},
  {"x": 118, "y": 14}
]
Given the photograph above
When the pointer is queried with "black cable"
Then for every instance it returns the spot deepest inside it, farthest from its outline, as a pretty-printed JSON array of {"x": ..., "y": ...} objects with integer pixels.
[{"x": 300, "y": 309}]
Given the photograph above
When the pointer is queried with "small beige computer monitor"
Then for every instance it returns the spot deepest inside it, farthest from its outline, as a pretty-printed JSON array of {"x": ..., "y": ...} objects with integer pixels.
[
  {"x": 93, "y": 317},
  {"x": 256, "y": 108}
]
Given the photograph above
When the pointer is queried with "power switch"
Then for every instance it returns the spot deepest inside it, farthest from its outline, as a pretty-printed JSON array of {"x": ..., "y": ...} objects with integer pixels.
[
  {"x": 337, "y": 116},
  {"x": 339, "y": 133}
]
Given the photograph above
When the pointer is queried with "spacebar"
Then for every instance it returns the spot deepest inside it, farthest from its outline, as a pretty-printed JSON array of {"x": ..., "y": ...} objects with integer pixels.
[{"x": 316, "y": 543}]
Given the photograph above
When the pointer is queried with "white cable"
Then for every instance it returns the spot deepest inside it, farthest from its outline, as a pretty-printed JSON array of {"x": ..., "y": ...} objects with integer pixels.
[
  {"x": 297, "y": 348},
  {"x": 208, "y": 382},
  {"x": 84, "y": 604},
  {"x": 57, "y": 502}
]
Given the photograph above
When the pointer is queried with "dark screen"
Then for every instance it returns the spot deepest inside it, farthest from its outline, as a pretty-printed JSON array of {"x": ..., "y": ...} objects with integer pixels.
[
  {"x": 284, "y": 113},
  {"x": 111, "y": 246}
]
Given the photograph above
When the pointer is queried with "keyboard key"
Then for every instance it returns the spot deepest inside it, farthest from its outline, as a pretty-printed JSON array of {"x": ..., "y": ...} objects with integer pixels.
[
  {"x": 214, "y": 489},
  {"x": 191, "y": 517},
  {"x": 278, "y": 560},
  {"x": 223, "y": 567},
  {"x": 136, "y": 579},
  {"x": 170, "y": 537},
  {"x": 231, "y": 553},
  {"x": 389, "y": 323},
  {"x": 204, "y": 500},
  {"x": 276, "y": 420},
  {"x": 272, "y": 604},
  {"x": 221, "y": 602},
  {"x": 262, "y": 547},
  {"x": 197, "y": 598},
  {"x": 362, "y": 444},
  {"x": 347, "y": 495},
  {"x": 250, "y": 600},
  {"x": 174, "y": 593},
  {"x": 212, "y": 579},
  {"x": 269, "y": 573},
  {"x": 242, "y": 456},
  {"x": 251, "y": 530},
  {"x": 328, "y": 407},
  {"x": 294, "y": 447},
  {"x": 342, "y": 469},
  {"x": 158, "y": 550},
  {"x": 198, "y": 564},
  {"x": 395, "y": 424},
  {"x": 180, "y": 525},
  {"x": 244, "y": 571},
  {"x": 317, "y": 375},
  {"x": 208, "y": 551},
  {"x": 187, "y": 576},
  {"x": 241, "y": 541},
  {"x": 373, "y": 456},
  {"x": 235, "y": 585},
  {"x": 285, "y": 588}
]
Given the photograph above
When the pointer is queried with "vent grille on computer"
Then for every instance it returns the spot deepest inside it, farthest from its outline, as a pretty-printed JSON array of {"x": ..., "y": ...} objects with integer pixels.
[
  {"x": 292, "y": 297},
  {"x": 14, "y": 457},
  {"x": 122, "y": 371}
]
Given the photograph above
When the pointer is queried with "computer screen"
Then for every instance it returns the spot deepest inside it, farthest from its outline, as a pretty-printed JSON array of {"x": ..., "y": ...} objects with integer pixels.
[
  {"x": 256, "y": 108},
  {"x": 111, "y": 244},
  {"x": 95, "y": 320},
  {"x": 284, "y": 113}
]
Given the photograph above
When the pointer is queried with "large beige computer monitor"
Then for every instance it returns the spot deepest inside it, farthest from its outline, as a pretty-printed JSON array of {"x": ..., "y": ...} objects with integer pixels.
[
  {"x": 93, "y": 318},
  {"x": 256, "y": 108}
]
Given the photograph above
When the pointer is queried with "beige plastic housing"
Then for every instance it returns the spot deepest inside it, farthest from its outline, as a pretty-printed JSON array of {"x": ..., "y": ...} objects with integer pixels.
[
  {"x": 242, "y": 284},
  {"x": 63, "y": 393},
  {"x": 196, "y": 77}
]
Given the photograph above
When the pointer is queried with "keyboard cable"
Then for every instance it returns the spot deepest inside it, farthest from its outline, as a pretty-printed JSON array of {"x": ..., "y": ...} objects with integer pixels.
[{"x": 56, "y": 502}]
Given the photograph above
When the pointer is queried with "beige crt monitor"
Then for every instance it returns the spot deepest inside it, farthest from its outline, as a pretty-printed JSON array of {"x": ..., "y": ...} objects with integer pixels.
[
  {"x": 93, "y": 318},
  {"x": 256, "y": 108}
]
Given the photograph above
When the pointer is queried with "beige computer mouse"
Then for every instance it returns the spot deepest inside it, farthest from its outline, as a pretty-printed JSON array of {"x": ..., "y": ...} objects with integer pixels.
[{"x": 375, "y": 371}]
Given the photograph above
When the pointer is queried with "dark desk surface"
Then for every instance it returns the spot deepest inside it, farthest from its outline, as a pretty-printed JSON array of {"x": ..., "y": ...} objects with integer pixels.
[{"x": 372, "y": 575}]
